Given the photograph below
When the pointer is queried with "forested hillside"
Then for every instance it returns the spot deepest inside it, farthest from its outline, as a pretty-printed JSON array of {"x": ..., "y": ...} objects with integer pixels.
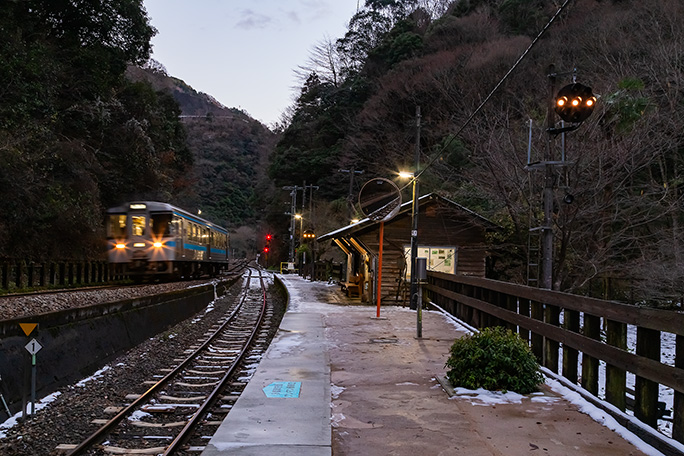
[
  {"x": 75, "y": 135},
  {"x": 79, "y": 133},
  {"x": 230, "y": 151},
  {"x": 621, "y": 234}
]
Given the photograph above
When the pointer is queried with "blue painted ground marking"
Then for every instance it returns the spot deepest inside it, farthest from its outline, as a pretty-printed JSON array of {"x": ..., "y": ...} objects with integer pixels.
[{"x": 283, "y": 389}]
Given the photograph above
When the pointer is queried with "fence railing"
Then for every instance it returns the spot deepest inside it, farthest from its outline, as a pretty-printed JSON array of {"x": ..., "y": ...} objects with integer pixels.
[
  {"x": 585, "y": 332},
  {"x": 25, "y": 274}
]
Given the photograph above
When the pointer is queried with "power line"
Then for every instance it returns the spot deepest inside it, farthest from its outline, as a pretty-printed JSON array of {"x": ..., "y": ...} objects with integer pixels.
[{"x": 437, "y": 156}]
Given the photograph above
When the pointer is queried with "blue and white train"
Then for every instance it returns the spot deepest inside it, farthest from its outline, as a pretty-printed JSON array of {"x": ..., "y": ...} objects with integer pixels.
[{"x": 148, "y": 239}]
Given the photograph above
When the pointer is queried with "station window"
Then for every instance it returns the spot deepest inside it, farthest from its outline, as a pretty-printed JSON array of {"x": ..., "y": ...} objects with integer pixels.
[
  {"x": 440, "y": 259},
  {"x": 116, "y": 226},
  {"x": 138, "y": 223}
]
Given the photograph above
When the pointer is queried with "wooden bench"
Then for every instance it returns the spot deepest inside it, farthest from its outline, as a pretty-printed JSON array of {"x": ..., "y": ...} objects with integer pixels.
[{"x": 351, "y": 289}]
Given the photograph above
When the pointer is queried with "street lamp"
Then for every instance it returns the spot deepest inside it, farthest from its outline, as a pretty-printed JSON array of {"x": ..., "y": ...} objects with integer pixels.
[{"x": 301, "y": 222}]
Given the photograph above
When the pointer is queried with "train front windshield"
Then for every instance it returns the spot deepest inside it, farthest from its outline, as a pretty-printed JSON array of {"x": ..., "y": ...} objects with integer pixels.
[
  {"x": 161, "y": 224},
  {"x": 116, "y": 227}
]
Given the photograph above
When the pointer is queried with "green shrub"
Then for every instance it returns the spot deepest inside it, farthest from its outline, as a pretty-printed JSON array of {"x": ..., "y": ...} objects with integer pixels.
[{"x": 494, "y": 359}]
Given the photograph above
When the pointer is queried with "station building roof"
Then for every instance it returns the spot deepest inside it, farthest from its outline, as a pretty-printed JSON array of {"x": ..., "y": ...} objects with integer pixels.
[{"x": 406, "y": 209}]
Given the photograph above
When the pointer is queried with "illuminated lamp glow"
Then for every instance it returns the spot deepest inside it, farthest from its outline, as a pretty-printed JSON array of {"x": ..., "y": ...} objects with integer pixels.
[
  {"x": 157, "y": 244},
  {"x": 138, "y": 206},
  {"x": 139, "y": 244},
  {"x": 576, "y": 101},
  {"x": 120, "y": 246}
]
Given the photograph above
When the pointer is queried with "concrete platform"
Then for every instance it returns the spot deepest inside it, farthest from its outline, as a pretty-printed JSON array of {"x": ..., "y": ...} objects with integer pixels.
[
  {"x": 261, "y": 425},
  {"x": 369, "y": 387}
]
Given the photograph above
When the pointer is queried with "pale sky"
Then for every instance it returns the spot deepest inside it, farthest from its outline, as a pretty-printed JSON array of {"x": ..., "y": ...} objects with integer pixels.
[{"x": 244, "y": 52}]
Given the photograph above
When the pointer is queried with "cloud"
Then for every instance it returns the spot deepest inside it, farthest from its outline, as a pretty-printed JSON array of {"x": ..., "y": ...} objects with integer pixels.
[
  {"x": 293, "y": 16},
  {"x": 251, "y": 20},
  {"x": 317, "y": 9}
]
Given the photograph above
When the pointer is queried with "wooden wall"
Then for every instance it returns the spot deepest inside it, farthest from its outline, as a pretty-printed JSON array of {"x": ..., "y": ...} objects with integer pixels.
[{"x": 439, "y": 224}]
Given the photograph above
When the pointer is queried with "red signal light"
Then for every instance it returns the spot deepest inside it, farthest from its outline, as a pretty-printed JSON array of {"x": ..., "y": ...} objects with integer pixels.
[{"x": 268, "y": 237}]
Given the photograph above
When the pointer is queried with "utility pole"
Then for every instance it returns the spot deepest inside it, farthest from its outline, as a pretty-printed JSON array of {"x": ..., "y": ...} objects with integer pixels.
[
  {"x": 547, "y": 197},
  {"x": 293, "y": 209},
  {"x": 350, "y": 197},
  {"x": 414, "y": 216}
]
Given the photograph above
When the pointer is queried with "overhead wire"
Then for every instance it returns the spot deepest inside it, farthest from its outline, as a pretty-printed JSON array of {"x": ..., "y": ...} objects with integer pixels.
[{"x": 438, "y": 155}]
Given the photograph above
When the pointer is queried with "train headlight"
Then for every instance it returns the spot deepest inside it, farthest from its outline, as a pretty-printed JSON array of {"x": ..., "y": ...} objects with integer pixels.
[
  {"x": 120, "y": 246},
  {"x": 157, "y": 244}
]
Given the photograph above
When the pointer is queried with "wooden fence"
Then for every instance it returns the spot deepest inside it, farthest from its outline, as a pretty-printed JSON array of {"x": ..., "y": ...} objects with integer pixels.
[
  {"x": 25, "y": 274},
  {"x": 594, "y": 328}
]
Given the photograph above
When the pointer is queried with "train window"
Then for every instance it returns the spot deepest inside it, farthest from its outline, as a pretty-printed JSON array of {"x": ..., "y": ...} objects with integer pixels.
[
  {"x": 138, "y": 223},
  {"x": 175, "y": 229},
  {"x": 194, "y": 233},
  {"x": 116, "y": 226},
  {"x": 161, "y": 224}
]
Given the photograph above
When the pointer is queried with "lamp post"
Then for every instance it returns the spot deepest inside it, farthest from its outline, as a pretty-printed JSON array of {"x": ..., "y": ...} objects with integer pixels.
[
  {"x": 414, "y": 237},
  {"x": 414, "y": 216},
  {"x": 299, "y": 242}
]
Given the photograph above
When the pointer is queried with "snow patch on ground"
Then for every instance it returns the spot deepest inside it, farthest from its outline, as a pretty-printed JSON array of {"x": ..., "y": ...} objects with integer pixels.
[
  {"x": 482, "y": 396},
  {"x": 335, "y": 390},
  {"x": 96, "y": 376},
  {"x": 12, "y": 421},
  {"x": 138, "y": 415}
]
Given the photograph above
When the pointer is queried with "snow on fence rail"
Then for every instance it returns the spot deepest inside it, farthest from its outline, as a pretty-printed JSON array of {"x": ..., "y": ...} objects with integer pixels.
[{"x": 574, "y": 335}]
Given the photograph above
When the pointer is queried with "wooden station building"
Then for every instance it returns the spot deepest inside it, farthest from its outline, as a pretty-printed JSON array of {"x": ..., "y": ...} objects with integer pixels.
[{"x": 450, "y": 236}]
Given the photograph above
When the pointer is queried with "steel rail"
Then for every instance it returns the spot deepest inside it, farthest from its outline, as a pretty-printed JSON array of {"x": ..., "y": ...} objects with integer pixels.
[
  {"x": 100, "y": 433},
  {"x": 186, "y": 432}
]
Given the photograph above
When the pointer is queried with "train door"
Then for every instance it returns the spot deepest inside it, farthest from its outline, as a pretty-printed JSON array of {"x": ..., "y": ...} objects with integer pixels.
[
  {"x": 139, "y": 234},
  {"x": 178, "y": 236},
  {"x": 206, "y": 244}
]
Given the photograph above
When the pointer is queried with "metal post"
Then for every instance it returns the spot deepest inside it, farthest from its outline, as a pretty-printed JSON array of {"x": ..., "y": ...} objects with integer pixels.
[
  {"x": 414, "y": 216},
  {"x": 33, "y": 385},
  {"x": 547, "y": 229},
  {"x": 293, "y": 209},
  {"x": 382, "y": 240},
  {"x": 421, "y": 275},
  {"x": 9, "y": 414}
]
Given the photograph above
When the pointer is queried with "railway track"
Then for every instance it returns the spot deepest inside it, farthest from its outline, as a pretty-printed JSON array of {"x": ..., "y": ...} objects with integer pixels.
[{"x": 188, "y": 400}]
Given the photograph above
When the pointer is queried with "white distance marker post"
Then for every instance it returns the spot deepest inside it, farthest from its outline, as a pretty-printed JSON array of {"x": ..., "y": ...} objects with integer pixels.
[{"x": 33, "y": 347}]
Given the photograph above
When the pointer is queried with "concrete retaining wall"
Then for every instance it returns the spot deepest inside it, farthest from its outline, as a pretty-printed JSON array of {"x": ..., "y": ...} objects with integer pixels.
[{"x": 77, "y": 342}]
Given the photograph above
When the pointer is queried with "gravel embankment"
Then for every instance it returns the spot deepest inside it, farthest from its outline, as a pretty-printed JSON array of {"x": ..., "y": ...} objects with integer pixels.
[{"x": 27, "y": 305}]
